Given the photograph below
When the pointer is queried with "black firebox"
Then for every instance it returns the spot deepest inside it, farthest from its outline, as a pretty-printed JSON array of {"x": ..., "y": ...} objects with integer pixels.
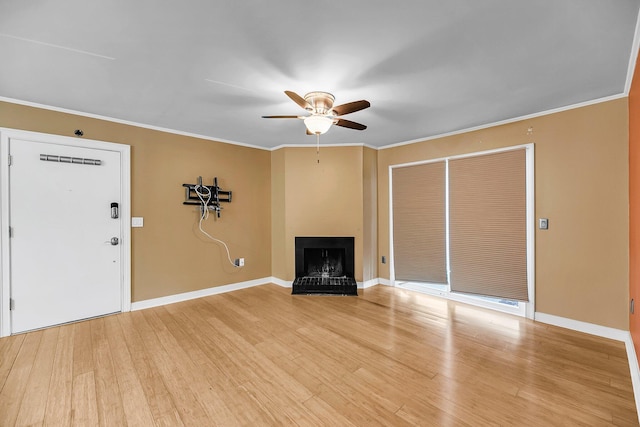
[{"x": 324, "y": 265}]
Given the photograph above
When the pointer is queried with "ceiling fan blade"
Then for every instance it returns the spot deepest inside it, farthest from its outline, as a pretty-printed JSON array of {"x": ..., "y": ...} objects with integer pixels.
[
  {"x": 351, "y": 107},
  {"x": 349, "y": 124},
  {"x": 280, "y": 117},
  {"x": 298, "y": 100}
]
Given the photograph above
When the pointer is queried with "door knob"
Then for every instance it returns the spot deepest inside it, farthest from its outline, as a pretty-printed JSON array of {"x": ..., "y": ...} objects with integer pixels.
[{"x": 114, "y": 241}]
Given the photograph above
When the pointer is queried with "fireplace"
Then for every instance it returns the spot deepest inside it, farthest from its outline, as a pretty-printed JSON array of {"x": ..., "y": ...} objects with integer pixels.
[{"x": 324, "y": 265}]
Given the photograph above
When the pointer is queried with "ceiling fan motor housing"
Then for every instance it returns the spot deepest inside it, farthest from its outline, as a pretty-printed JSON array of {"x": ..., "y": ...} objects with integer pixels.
[{"x": 321, "y": 102}]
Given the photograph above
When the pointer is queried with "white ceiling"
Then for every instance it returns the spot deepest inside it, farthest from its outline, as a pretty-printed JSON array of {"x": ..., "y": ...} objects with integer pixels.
[{"x": 213, "y": 67}]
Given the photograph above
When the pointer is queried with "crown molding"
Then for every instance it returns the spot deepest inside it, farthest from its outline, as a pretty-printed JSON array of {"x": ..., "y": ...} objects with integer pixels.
[
  {"x": 383, "y": 147},
  {"x": 507, "y": 121},
  {"x": 352, "y": 144},
  {"x": 127, "y": 122}
]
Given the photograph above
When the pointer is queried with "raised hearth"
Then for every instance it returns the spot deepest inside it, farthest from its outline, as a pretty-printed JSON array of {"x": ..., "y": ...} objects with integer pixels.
[{"x": 324, "y": 265}]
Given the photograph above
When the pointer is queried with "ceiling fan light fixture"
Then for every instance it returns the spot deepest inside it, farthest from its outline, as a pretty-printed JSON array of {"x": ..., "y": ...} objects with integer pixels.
[{"x": 318, "y": 125}]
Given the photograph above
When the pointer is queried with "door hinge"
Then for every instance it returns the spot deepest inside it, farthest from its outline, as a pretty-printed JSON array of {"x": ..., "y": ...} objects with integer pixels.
[
  {"x": 10, "y": 231},
  {"x": 12, "y": 304},
  {"x": 10, "y": 160}
]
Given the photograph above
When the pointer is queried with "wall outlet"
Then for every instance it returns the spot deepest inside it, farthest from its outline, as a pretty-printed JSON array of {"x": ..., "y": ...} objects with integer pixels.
[
  {"x": 239, "y": 262},
  {"x": 543, "y": 223},
  {"x": 384, "y": 259}
]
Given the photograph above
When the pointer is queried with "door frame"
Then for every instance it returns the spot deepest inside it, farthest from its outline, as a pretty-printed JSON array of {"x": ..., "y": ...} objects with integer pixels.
[{"x": 6, "y": 134}]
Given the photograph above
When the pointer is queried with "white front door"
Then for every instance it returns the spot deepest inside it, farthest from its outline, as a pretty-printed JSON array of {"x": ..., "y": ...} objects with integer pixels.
[{"x": 64, "y": 265}]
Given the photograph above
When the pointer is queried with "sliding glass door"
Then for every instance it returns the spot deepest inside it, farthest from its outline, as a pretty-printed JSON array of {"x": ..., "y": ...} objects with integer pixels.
[{"x": 463, "y": 226}]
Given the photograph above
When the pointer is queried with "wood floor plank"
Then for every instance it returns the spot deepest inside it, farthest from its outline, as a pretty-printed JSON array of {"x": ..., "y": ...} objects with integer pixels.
[
  {"x": 327, "y": 414},
  {"x": 10, "y": 348},
  {"x": 33, "y": 405},
  {"x": 15, "y": 385},
  {"x": 185, "y": 401},
  {"x": 84, "y": 405},
  {"x": 108, "y": 398},
  {"x": 159, "y": 399},
  {"x": 82, "y": 348},
  {"x": 261, "y": 357},
  {"x": 135, "y": 406},
  {"x": 178, "y": 343},
  {"x": 58, "y": 407}
]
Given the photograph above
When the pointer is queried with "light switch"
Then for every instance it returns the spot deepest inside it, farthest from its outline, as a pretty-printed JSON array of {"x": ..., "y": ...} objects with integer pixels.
[
  {"x": 137, "y": 221},
  {"x": 543, "y": 223}
]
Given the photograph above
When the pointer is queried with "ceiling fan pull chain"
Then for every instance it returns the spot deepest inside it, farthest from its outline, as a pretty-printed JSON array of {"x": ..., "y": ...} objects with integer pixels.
[{"x": 318, "y": 147}]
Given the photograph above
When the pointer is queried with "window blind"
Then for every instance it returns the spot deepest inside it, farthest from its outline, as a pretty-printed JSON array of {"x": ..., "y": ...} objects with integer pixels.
[
  {"x": 487, "y": 220},
  {"x": 419, "y": 223}
]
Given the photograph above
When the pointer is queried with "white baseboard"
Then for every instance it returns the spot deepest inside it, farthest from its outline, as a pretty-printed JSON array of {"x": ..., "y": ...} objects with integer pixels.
[
  {"x": 368, "y": 283},
  {"x": 170, "y": 299},
  {"x": 385, "y": 282},
  {"x": 577, "y": 325},
  {"x": 634, "y": 369},
  {"x": 280, "y": 282}
]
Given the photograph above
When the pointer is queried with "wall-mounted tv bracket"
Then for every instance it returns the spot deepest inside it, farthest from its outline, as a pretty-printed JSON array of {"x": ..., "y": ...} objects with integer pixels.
[{"x": 217, "y": 195}]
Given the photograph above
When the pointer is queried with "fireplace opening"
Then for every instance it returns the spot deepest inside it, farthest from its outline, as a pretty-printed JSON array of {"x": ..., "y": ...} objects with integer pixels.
[
  {"x": 324, "y": 262},
  {"x": 324, "y": 265}
]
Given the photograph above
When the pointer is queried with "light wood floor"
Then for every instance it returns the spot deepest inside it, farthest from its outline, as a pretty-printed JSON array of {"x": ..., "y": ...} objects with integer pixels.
[{"x": 260, "y": 356}]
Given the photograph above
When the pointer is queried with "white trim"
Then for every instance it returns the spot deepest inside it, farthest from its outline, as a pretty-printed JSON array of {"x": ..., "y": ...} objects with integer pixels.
[
  {"x": 125, "y": 211},
  {"x": 368, "y": 283},
  {"x": 172, "y": 299},
  {"x": 447, "y": 225},
  {"x": 5, "y": 262},
  {"x": 633, "y": 57},
  {"x": 382, "y": 147},
  {"x": 530, "y": 306},
  {"x": 346, "y": 144},
  {"x": 392, "y": 267},
  {"x": 507, "y": 121},
  {"x": 127, "y": 122},
  {"x": 577, "y": 325},
  {"x": 385, "y": 282},
  {"x": 280, "y": 282},
  {"x": 462, "y": 156},
  {"x": 186, "y": 296},
  {"x": 634, "y": 370},
  {"x": 126, "y": 228}
]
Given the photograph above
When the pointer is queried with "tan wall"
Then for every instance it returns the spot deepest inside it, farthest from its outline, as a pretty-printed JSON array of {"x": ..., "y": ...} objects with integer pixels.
[
  {"x": 169, "y": 255},
  {"x": 581, "y": 186},
  {"x": 320, "y": 199},
  {"x": 581, "y": 179},
  {"x": 370, "y": 213},
  {"x": 279, "y": 264}
]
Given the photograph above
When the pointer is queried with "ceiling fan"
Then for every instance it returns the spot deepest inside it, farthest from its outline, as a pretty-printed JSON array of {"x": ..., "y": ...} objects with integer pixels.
[{"x": 323, "y": 113}]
